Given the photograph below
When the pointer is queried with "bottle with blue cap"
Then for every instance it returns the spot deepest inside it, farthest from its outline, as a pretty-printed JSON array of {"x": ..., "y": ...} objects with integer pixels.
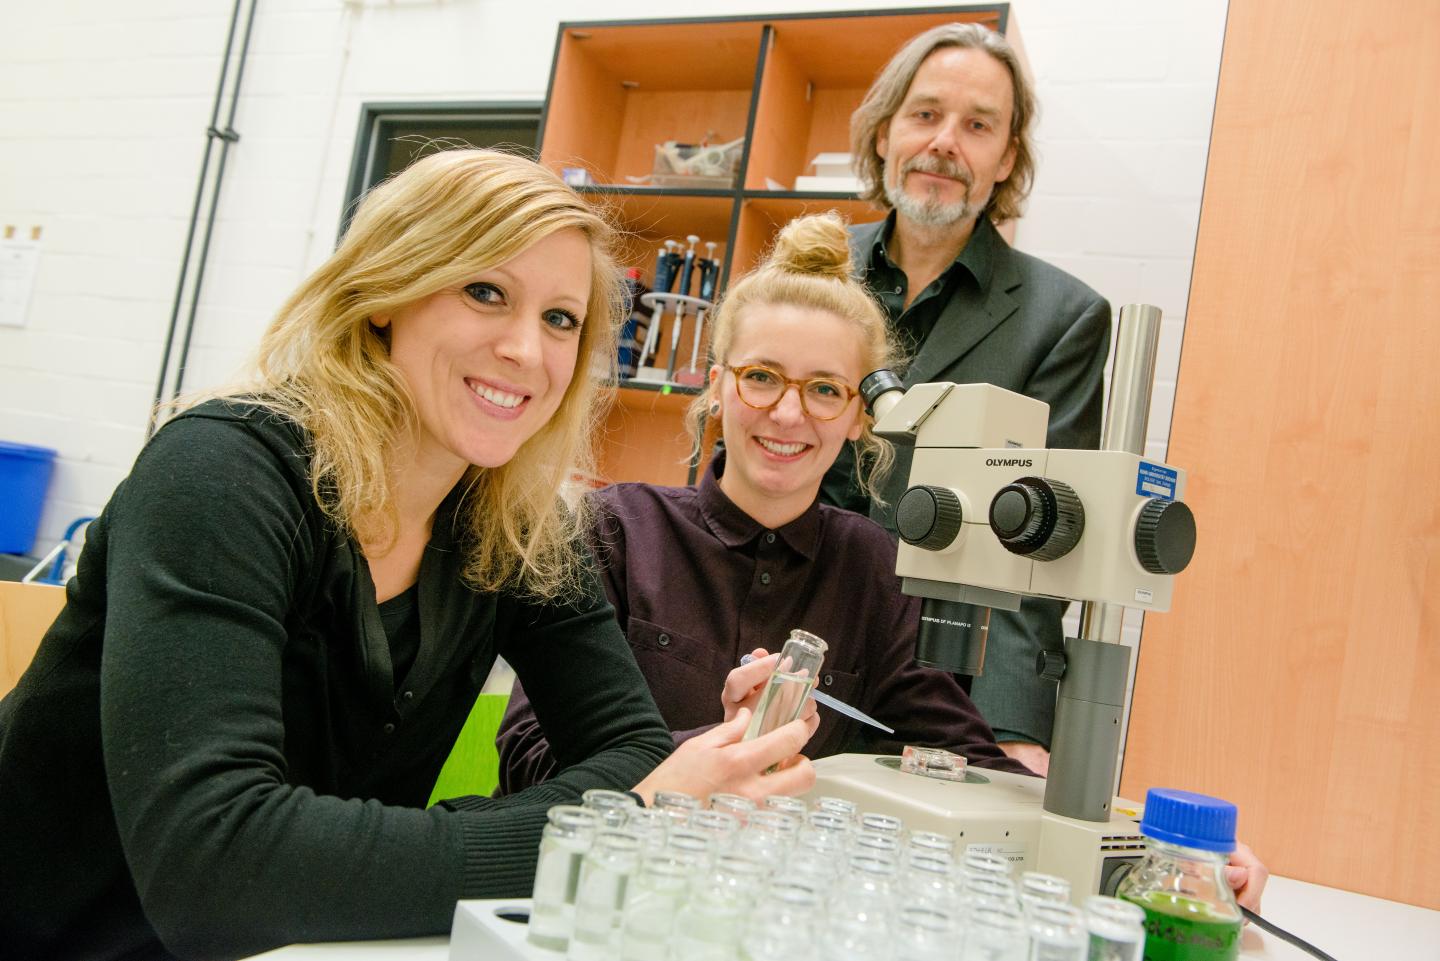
[{"x": 1190, "y": 910}]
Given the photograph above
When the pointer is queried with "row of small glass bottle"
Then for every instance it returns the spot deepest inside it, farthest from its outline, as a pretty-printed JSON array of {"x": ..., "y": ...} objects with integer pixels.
[{"x": 791, "y": 882}]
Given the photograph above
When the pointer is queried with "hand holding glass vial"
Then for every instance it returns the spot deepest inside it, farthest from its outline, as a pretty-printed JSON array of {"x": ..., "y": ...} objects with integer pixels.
[{"x": 789, "y": 685}]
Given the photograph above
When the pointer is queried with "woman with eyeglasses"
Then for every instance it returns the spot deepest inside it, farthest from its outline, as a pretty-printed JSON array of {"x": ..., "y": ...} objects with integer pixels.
[{"x": 702, "y": 575}]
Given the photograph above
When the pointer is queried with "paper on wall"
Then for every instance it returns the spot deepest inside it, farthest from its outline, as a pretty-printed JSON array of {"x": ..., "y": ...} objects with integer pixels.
[{"x": 19, "y": 263}]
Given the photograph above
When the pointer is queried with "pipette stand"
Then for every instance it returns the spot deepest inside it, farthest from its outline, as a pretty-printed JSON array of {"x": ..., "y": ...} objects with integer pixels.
[{"x": 652, "y": 372}]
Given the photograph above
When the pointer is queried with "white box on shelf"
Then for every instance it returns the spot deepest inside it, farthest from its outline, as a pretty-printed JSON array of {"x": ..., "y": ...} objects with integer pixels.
[
  {"x": 831, "y": 164},
  {"x": 846, "y": 184}
]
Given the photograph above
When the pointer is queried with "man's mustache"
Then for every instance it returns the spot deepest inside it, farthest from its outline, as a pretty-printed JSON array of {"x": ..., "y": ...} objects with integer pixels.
[{"x": 940, "y": 166}]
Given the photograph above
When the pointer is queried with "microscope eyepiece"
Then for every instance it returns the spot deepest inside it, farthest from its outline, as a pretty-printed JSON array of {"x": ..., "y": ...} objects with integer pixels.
[{"x": 876, "y": 384}]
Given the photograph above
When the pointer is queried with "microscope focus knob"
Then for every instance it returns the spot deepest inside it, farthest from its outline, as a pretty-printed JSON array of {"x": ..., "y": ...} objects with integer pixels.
[
  {"x": 1037, "y": 518},
  {"x": 1050, "y": 664},
  {"x": 1165, "y": 536},
  {"x": 929, "y": 517}
]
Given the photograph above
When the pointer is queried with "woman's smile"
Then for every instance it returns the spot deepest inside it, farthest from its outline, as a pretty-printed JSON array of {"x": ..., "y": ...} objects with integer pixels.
[
  {"x": 782, "y": 450},
  {"x": 496, "y": 401}
]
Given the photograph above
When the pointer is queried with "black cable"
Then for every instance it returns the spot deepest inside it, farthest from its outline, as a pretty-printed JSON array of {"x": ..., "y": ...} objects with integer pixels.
[{"x": 1279, "y": 932}]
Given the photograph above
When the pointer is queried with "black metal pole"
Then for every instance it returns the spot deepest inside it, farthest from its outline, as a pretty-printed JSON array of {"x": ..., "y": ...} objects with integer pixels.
[
  {"x": 227, "y": 137},
  {"x": 210, "y": 136}
]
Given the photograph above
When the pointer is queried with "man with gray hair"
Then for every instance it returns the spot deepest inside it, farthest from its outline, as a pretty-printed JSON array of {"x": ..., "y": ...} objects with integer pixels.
[{"x": 942, "y": 141}]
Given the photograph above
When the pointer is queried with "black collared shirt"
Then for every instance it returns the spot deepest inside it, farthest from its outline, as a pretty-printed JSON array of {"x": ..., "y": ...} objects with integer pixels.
[
  {"x": 697, "y": 582},
  {"x": 971, "y": 273},
  {"x": 974, "y": 266}
]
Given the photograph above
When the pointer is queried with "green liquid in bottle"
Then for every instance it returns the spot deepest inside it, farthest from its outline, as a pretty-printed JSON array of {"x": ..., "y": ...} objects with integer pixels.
[{"x": 1183, "y": 929}]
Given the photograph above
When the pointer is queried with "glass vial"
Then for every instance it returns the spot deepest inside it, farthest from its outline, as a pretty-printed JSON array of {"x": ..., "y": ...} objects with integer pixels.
[
  {"x": 600, "y": 897},
  {"x": 784, "y": 924},
  {"x": 612, "y": 806},
  {"x": 654, "y": 895},
  {"x": 1037, "y": 889},
  {"x": 563, "y": 844},
  {"x": 789, "y": 685},
  {"x": 1057, "y": 932},
  {"x": 994, "y": 934},
  {"x": 1116, "y": 929}
]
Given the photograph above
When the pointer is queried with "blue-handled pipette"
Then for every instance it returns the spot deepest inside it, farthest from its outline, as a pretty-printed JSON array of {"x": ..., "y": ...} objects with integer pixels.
[
  {"x": 667, "y": 268},
  {"x": 835, "y": 704}
]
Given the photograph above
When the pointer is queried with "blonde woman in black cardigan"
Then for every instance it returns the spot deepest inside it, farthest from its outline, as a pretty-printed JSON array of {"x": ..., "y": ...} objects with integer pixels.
[{"x": 226, "y": 741}]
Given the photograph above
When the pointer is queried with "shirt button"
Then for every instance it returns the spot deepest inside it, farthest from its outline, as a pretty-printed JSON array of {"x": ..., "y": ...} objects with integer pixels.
[
  {"x": 389, "y": 728},
  {"x": 664, "y": 640},
  {"x": 770, "y": 537},
  {"x": 897, "y": 290},
  {"x": 765, "y": 578},
  {"x": 829, "y": 679},
  {"x": 409, "y": 695}
]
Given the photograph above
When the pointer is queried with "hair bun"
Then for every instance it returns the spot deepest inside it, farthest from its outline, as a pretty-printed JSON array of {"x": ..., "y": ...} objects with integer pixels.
[{"x": 817, "y": 244}]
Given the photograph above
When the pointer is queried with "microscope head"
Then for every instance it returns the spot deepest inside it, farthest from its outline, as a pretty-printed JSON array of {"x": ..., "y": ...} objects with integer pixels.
[{"x": 991, "y": 515}]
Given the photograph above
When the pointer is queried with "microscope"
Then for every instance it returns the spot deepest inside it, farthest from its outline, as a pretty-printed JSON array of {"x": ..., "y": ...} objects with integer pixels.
[{"x": 991, "y": 516}]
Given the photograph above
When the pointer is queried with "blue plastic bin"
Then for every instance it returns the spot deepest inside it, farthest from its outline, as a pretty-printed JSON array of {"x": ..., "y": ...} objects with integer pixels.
[{"x": 24, "y": 475}]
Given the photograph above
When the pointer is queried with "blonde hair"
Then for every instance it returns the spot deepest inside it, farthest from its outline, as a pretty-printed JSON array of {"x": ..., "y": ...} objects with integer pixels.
[
  {"x": 889, "y": 90},
  {"x": 809, "y": 266},
  {"x": 323, "y": 364}
]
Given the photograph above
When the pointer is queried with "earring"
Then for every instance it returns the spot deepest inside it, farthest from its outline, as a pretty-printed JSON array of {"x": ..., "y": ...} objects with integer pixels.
[{"x": 715, "y": 408}]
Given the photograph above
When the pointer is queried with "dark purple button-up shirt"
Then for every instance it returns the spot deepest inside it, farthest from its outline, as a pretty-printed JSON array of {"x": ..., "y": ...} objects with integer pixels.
[{"x": 696, "y": 583}]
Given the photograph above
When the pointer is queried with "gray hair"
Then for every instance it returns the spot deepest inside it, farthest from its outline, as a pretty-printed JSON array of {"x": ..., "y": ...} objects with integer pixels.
[{"x": 889, "y": 90}]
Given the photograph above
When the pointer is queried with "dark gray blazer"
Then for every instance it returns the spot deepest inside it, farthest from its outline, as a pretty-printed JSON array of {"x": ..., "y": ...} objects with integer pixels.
[{"x": 1034, "y": 329}]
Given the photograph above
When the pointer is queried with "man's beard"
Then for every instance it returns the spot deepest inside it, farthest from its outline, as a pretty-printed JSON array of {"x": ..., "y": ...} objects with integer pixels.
[{"x": 931, "y": 212}]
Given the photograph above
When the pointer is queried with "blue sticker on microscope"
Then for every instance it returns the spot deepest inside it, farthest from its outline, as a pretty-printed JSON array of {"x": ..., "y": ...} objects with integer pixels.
[{"x": 1156, "y": 480}]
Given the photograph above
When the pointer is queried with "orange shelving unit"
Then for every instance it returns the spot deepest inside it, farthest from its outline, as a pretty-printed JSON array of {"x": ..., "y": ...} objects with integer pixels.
[{"x": 787, "y": 84}]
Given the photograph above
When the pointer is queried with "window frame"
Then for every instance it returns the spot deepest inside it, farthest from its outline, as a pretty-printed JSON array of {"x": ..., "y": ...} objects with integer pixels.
[{"x": 371, "y": 138}]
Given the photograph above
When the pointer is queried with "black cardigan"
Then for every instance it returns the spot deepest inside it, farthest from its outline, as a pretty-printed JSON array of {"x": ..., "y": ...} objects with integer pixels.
[{"x": 221, "y": 657}]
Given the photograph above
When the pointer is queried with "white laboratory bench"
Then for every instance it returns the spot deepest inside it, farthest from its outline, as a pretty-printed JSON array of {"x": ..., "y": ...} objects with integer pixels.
[{"x": 1349, "y": 926}]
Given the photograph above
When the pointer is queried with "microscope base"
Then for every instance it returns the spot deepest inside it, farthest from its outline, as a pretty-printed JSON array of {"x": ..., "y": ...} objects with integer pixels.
[{"x": 996, "y": 812}]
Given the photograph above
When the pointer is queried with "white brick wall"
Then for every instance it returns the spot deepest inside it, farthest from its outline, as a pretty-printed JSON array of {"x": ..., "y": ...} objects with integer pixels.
[{"x": 103, "y": 108}]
